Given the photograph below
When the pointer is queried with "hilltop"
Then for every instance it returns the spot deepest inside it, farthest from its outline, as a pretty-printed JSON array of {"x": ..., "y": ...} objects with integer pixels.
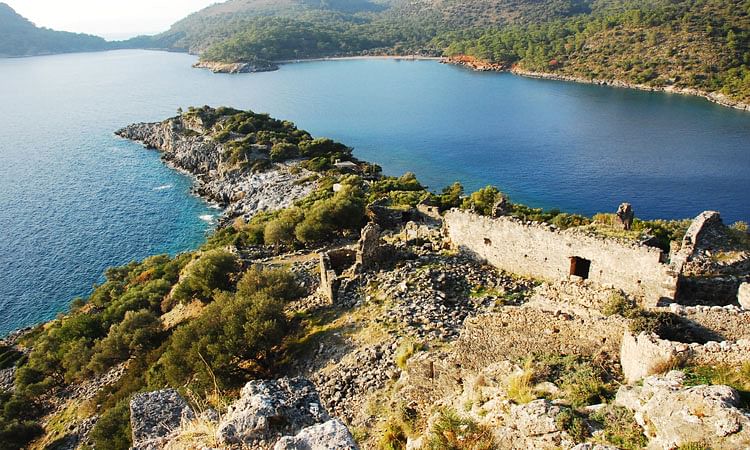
[
  {"x": 336, "y": 307},
  {"x": 20, "y": 37},
  {"x": 655, "y": 44}
]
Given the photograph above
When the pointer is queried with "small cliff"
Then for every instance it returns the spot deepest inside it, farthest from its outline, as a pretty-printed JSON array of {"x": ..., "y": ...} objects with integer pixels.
[{"x": 201, "y": 146}]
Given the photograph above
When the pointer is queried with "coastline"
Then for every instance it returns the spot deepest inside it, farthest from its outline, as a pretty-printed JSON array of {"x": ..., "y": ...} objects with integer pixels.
[
  {"x": 482, "y": 66},
  {"x": 347, "y": 58}
]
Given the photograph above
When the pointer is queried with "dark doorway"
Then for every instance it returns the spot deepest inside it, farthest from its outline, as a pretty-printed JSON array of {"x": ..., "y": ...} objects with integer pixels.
[{"x": 580, "y": 267}]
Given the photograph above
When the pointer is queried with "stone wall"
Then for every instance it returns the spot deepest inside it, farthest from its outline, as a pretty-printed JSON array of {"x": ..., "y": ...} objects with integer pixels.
[
  {"x": 332, "y": 264},
  {"x": 647, "y": 354},
  {"x": 542, "y": 251},
  {"x": 514, "y": 333}
]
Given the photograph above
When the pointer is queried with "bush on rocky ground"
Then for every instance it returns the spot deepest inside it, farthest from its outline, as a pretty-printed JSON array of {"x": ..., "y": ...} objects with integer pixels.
[{"x": 620, "y": 428}]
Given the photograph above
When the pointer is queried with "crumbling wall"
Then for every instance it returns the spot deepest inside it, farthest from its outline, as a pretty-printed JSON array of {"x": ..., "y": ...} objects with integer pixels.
[
  {"x": 647, "y": 354},
  {"x": 510, "y": 335},
  {"x": 539, "y": 250},
  {"x": 333, "y": 264},
  {"x": 514, "y": 333},
  {"x": 708, "y": 290}
]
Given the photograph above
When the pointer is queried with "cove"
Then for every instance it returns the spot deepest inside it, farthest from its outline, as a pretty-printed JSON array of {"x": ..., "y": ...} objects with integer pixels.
[{"x": 75, "y": 199}]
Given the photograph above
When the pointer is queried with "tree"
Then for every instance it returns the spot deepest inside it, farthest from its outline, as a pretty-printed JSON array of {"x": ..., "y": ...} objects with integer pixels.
[
  {"x": 281, "y": 151},
  {"x": 452, "y": 196},
  {"x": 483, "y": 200},
  {"x": 211, "y": 271}
]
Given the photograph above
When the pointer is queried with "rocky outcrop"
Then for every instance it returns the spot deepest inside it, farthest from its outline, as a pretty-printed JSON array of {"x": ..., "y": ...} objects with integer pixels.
[
  {"x": 475, "y": 63},
  {"x": 186, "y": 145},
  {"x": 270, "y": 409},
  {"x": 331, "y": 435},
  {"x": 534, "y": 425},
  {"x": 240, "y": 67},
  {"x": 156, "y": 416},
  {"x": 646, "y": 354},
  {"x": 673, "y": 415},
  {"x": 182, "y": 144}
]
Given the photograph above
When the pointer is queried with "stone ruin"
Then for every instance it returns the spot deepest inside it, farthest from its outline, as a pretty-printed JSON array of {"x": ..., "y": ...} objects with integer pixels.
[
  {"x": 345, "y": 264},
  {"x": 690, "y": 274},
  {"x": 624, "y": 216}
]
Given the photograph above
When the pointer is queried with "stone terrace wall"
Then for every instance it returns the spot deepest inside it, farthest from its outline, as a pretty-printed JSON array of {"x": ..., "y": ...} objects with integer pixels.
[
  {"x": 514, "y": 333},
  {"x": 539, "y": 250}
]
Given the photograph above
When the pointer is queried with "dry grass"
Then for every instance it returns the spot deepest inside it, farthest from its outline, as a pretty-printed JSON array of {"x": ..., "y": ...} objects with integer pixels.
[{"x": 519, "y": 387}]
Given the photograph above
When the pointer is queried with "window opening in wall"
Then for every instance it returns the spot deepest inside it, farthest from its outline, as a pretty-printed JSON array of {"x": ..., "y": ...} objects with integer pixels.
[{"x": 580, "y": 267}]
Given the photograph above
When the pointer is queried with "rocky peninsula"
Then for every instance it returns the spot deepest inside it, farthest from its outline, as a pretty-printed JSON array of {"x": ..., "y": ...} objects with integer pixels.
[{"x": 338, "y": 308}]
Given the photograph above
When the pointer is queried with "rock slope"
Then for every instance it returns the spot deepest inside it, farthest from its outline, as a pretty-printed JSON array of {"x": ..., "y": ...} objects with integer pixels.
[{"x": 187, "y": 145}]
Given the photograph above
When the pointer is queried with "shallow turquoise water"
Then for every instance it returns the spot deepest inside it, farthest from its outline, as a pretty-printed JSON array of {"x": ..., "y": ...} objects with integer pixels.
[{"x": 74, "y": 199}]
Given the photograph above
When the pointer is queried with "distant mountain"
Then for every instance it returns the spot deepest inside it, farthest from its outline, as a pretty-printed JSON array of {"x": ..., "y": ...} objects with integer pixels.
[
  {"x": 680, "y": 44},
  {"x": 20, "y": 37}
]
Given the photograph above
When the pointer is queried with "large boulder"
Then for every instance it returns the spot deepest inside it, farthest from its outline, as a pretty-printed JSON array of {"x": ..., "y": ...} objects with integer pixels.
[
  {"x": 533, "y": 425},
  {"x": 269, "y": 409},
  {"x": 673, "y": 415},
  {"x": 644, "y": 355},
  {"x": 156, "y": 416},
  {"x": 331, "y": 435}
]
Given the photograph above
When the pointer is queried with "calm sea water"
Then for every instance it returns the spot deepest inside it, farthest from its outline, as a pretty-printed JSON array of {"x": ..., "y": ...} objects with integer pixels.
[{"x": 74, "y": 199}]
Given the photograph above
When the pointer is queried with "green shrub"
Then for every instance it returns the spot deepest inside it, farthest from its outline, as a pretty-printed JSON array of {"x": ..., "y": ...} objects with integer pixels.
[
  {"x": 112, "y": 430},
  {"x": 211, "y": 271},
  {"x": 281, "y": 229},
  {"x": 483, "y": 200},
  {"x": 452, "y": 432},
  {"x": 572, "y": 422},
  {"x": 343, "y": 211},
  {"x": 620, "y": 428},
  {"x": 282, "y": 151},
  {"x": 234, "y": 336},
  {"x": 15, "y": 434},
  {"x": 619, "y": 304},
  {"x": 451, "y": 197},
  {"x": 138, "y": 332},
  {"x": 322, "y": 147}
]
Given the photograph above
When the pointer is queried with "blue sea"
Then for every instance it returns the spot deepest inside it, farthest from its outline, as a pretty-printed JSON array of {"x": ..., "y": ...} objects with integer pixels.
[{"x": 75, "y": 199}]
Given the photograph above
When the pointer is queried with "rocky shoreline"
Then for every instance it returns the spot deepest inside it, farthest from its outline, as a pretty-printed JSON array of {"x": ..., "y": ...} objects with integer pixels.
[
  {"x": 483, "y": 66},
  {"x": 221, "y": 67},
  {"x": 185, "y": 147}
]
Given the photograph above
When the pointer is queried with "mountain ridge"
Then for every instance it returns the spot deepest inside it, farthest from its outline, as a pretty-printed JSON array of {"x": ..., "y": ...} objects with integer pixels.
[{"x": 21, "y": 37}]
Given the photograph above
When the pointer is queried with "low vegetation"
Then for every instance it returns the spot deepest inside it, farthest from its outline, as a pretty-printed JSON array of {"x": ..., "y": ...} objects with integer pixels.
[
  {"x": 620, "y": 428},
  {"x": 451, "y": 431}
]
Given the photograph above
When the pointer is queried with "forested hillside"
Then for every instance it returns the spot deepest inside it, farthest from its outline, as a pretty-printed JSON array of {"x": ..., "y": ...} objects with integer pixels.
[
  {"x": 19, "y": 37},
  {"x": 698, "y": 44},
  {"x": 686, "y": 44}
]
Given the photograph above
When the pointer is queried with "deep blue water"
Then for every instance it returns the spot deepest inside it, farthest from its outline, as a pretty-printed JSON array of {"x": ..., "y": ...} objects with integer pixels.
[{"x": 74, "y": 199}]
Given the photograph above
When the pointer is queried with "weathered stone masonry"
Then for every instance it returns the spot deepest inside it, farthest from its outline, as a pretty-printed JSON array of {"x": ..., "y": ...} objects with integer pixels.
[{"x": 539, "y": 250}]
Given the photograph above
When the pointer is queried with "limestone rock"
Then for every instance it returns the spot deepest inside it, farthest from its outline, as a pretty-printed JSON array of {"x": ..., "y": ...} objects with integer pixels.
[
  {"x": 535, "y": 418},
  {"x": 673, "y": 415},
  {"x": 743, "y": 295},
  {"x": 269, "y": 409},
  {"x": 533, "y": 425},
  {"x": 154, "y": 416},
  {"x": 590, "y": 446},
  {"x": 643, "y": 355},
  {"x": 331, "y": 435}
]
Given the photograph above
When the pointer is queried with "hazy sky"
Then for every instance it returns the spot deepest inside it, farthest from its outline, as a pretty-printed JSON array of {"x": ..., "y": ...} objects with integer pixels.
[{"x": 107, "y": 18}]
